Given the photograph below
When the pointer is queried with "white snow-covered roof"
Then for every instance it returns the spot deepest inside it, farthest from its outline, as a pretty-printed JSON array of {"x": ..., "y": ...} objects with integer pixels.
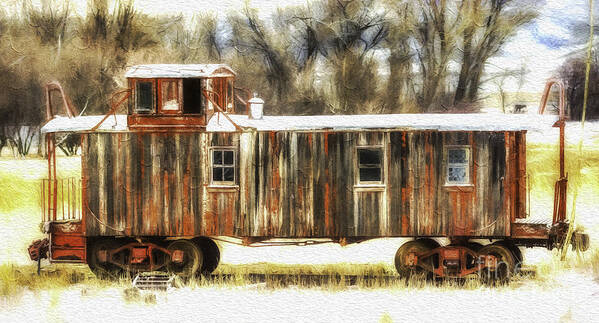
[
  {"x": 440, "y": 122},
  {"x": 85, "y": 123},
  {"x": 179, "y": 71}
]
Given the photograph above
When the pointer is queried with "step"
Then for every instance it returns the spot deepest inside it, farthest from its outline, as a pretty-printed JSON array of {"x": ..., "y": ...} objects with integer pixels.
[{"x": 154, "y": 280}]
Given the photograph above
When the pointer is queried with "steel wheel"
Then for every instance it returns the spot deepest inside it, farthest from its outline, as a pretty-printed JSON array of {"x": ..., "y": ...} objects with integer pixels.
[
  {"x": 516, "y": 252},
  {"x": 192, "y": 258},
  {"x": 505, "y": 263},
  {"x": 417, "y": 246},
  {"x": 211, "y": 254},
  {"x": 103, "y": 270}
]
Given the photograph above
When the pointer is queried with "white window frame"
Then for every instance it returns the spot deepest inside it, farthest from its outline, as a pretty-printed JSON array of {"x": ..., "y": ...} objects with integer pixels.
[
  {"x": 381, "y": 149},
  {"x": 212, "y": 166},
  {"x": 467, "y": 165}
]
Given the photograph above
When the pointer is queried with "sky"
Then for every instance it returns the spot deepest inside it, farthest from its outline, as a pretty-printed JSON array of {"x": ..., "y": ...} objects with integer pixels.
[{"x": 541, "y": 46}]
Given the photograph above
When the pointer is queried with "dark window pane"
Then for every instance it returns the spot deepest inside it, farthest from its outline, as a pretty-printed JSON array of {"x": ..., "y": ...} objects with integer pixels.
[
  {"x": 456, "y": 174},
  {"x": 457, "y": 156},
  {"x": 228, "y": 174},
  {"x": 370, "y": 174},
  {"x": 192, "y": 96},
  {"x": 228, "y": 157},
  {"x": 369, "y": 156},
  {"x": 145, "y": 97},
  {"x": 217, "y": 174},
  {"x": 217, "y": 158}
]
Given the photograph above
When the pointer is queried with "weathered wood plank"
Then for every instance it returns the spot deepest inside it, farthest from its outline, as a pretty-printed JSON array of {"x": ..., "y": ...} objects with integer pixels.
[{"x": 300, "y": 184}]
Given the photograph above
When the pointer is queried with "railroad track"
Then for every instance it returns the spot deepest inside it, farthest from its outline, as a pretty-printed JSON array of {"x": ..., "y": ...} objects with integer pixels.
[
  {"x": 321, "y": 279},
  {"x": 306, "y": 279}
]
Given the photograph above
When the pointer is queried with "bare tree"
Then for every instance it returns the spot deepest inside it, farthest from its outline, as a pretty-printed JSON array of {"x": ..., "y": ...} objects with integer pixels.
[
  {"x": 250, "y": 37},
  {"x": 486, "y": 26}
]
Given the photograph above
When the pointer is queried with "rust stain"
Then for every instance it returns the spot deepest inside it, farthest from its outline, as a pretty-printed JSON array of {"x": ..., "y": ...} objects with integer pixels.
[
  {"x": 144, "y": 207},
  {"x": 428, "y": 184},
  {"x": 166, "y": 204},
  {"x": 151, "y": 122}
]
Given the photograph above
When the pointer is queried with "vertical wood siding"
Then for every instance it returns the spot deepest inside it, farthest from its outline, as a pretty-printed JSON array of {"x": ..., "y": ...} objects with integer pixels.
[{"x": 300, "y": 184}]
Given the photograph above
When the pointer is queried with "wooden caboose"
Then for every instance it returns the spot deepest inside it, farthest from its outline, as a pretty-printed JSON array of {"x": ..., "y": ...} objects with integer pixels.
[{"x": 188, "y": 163}]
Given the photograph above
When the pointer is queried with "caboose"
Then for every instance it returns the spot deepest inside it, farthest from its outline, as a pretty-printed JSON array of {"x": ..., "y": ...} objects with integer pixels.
[{"x": 195, "y": 159}]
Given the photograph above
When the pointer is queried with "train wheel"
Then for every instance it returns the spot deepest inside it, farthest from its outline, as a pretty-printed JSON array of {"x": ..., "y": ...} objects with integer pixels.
[
  {"x": 211, "y": 254},
  {"x": 516, "y": 252},
  {"x": 192, "y": 258},
  {"x": 417, "y": 246},
  {"x": 103, "y": 270},
  {"x": 506, "y": 263}
]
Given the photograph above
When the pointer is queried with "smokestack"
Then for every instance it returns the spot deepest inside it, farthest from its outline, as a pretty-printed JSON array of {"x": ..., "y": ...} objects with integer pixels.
[{"x": 256, "y": 107}]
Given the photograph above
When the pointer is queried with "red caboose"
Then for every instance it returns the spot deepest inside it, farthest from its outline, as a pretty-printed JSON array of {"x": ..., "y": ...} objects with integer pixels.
[{"x": 186, "y": 165}]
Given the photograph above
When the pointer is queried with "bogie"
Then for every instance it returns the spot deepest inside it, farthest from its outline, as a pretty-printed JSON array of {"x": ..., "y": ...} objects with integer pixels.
[
  {"x": 111, "y": 257},
  {"x": 494, "y": 262}
]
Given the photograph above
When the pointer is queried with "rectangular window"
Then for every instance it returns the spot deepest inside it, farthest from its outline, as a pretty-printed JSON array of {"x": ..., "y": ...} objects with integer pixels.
[
  {"x": 169, "y": 96},
  {"x": 192, "y": 96},
  {"x": 458, "y": 165},
  {"x": 370, "y": 165},
  {"x": 144, "y": 98},
  {"x": 223, "y": 166}
]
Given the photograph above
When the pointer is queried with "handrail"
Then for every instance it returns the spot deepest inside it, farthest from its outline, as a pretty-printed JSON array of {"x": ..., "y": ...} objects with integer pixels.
[
  {"x": 562, "y": 97},
  {"x": 221, "y": 110},
  {"x": 561, "y": 185},
  {"x": 212, "y": 92},
  {"x": 246, "y": 102},
  {"x": 55, "y": 86},
  {"x": 114, "y": 106},
  {"x": 61, "y": 197}
]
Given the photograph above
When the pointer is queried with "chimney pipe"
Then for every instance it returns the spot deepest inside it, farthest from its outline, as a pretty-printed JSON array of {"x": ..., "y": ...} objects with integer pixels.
[{"x": 256, "y": 107}]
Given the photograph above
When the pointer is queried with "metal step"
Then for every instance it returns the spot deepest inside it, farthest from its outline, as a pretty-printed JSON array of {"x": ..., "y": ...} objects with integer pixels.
[{"x": 154, "y": 280}]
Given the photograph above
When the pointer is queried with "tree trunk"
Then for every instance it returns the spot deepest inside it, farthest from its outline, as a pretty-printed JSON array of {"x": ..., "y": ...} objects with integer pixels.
[
  {"x": 474, "y": 83},
  {"x": 460, "y": 91}
]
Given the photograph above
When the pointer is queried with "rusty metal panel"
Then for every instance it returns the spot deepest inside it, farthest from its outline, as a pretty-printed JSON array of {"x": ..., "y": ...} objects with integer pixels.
[
  {"x": 529, "y": 231},
  {"x": 521, "y": 175}
]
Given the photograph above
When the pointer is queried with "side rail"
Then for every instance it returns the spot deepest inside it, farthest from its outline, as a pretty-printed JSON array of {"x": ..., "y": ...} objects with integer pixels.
[
  {"x": 61, "y": 199},
  {"x": 561, "y": 185}
]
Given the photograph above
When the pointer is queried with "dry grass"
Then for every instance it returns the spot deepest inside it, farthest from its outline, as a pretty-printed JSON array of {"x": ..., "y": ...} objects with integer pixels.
[
  {"x": 20, "y": 180},
  {"x": 14, "y": 279}
]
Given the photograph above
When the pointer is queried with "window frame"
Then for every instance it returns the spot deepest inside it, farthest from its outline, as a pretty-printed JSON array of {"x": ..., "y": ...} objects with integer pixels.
[
  {"x": 382, "y": 150},
  {"x": 212, "y": 166},
  {"x": 468, "y": 165},
  {"x": 134, "y": 86},
  {"x": 179, "y": 95}
]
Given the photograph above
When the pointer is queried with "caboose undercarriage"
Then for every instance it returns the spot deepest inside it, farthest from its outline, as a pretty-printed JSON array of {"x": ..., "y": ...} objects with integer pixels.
[{"x": 111, "y": 256}]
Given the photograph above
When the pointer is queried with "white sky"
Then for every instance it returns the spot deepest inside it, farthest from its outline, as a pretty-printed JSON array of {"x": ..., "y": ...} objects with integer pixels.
[{"x": 524, "y": 49}]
